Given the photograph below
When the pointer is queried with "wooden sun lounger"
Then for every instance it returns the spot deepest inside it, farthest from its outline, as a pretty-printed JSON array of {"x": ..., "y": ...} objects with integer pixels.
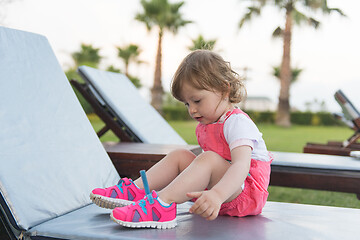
[
  {"x": 115, "y": 100},
  {"x": 351, "y": 117},
  {"x": 309, "y": 171}
]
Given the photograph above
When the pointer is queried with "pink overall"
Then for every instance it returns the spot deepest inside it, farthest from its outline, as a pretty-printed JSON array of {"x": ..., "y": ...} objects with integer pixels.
[{"x": 253, "y": 198}]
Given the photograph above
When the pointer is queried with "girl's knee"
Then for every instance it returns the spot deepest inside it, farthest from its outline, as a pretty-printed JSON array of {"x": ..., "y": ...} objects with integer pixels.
[
  {"x": 182, "y": 153},
  {"x": 214, "y": 164},
  {"x": 182, "y": 157},
  {"x": 210, "y": 156}
]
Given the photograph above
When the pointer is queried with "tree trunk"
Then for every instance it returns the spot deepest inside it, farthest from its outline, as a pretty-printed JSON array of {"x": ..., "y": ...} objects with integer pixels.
[
  {"x": 157, "y": 90},
  {"x": 127, "y": 69},
  {"x": 283, "y": 113}
]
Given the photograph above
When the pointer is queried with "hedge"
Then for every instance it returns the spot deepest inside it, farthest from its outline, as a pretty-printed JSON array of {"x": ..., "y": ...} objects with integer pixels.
[
  {"x": 176, "y": 113},
  {"x": 298, "y": 118}
]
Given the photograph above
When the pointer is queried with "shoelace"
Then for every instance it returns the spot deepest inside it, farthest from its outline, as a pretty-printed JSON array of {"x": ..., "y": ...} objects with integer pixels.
[
  {"x": 149, "y": 196},
  {"x": 142, "y": 204},
  {"x": 120, "y": 185}
]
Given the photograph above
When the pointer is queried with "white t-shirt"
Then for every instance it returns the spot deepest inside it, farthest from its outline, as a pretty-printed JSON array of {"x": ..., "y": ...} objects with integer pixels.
[{"x": 239, "y": 130}]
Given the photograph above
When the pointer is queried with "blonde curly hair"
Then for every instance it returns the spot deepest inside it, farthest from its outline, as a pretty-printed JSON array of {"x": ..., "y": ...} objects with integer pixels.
[{"x": 204, "y": 69}]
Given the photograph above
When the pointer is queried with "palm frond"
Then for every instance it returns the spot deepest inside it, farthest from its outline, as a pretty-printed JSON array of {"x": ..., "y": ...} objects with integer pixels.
[
  {"x": 201, "y": 43},
  {"x": 314, "y": 4},
  {"x": 299, "y": 17},
  {"x": 325, "y": 8},
  {"x": 313, "y": 22},
  {"x": 176, "y": 6},
  {"x": 338, "y": 10},
  {"x": 278, "y": 32},
  {"x": 322, "y": 5},
  {"x": 295, "y": 73},
  {"x": 141, "y": 17},
  {"x": 249, "y": 15},
  {"x": 163, "y": 14}
]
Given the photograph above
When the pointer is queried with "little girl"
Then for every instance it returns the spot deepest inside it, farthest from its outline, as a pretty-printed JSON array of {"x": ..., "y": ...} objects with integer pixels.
[{"x": 230, "y": 177}]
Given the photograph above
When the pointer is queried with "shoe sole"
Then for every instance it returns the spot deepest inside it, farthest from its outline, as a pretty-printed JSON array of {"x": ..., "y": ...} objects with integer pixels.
[
  {"x": 110, "y": 203},
  {"x": 159, "y": 225}
]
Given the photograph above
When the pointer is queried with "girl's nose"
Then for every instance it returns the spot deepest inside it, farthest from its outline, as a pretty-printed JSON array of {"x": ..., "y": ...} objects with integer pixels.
[{"x": 192, "y": 110}]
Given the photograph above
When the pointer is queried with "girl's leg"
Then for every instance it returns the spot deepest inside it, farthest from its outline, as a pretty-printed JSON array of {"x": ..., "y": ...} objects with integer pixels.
[
  {"x": 167, "y": 169},
  {"x": 204, "y": 172}
]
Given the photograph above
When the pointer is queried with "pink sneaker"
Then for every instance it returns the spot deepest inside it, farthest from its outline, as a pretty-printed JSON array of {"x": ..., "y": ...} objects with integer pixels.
[
  {"x": 146, "y": 213},
  {"x": 122, "y": 194}
]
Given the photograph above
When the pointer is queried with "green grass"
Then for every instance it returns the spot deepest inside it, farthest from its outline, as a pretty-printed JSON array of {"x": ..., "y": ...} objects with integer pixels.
[
  {"x": 296, "y": 137},
  {"x": 279, "y": 139}
]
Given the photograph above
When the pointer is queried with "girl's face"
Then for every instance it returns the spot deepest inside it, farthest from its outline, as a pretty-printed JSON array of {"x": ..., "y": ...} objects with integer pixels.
[{"x": 204, "y": 106}]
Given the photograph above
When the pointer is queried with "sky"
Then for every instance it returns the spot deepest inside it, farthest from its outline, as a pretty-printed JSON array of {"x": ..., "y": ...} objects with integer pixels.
[{"x": 329, "y": 56}]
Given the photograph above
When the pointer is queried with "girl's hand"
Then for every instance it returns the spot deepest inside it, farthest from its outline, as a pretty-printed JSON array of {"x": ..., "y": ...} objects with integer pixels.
[{"x": 207, "y": 205}]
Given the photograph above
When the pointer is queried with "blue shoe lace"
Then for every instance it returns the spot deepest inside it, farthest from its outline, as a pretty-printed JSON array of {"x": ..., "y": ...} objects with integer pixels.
[
  {"x": 146, "y": 187},
  {"x": 119, "y": 185},
  {"x": 142, "y": 204},
  {"x": 148, "y": 197}
]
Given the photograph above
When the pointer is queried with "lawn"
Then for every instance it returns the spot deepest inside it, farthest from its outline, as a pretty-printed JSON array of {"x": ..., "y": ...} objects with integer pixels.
[{"x": 279, "y": 139}]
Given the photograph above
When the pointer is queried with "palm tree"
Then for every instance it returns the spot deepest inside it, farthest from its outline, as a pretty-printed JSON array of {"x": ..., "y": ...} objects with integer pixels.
[
  {"x": 292, "y": 16},
  {"x": 88, "y": 55},
  {"x": 295, "y": 73},
  {"x": 129, "y": 53},
  {"x": 114, "y": 69},
  {"x": 164, "y": 16},
  {"x": 201, "y": 43}
]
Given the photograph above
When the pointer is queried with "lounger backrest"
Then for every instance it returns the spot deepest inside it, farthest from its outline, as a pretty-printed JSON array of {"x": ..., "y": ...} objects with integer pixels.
[
  {"x": 50, "y": 156},
  {"x": 349, "y": 110},
  {"x": 118, "y": 93}
]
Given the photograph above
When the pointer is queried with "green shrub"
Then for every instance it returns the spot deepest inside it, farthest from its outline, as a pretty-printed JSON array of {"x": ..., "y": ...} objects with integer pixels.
[
  {"x": 315, "y": 120},
  {"x": 327, "y": 119},
  {"x": 301, "y": 118},
  {"x": 253, "y": 115},
  {"x": 262, "y": 117},
  {"x": 180, "y": 113}
]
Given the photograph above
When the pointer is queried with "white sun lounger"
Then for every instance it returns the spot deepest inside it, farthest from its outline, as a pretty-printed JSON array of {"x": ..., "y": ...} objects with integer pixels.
[
  {"x": 116, "y": 93},
  {"x": 50, "y": 159}
]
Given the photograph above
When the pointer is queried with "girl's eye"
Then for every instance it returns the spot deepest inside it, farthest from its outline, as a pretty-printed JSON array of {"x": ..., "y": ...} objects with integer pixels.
[
  {"x": 186, "y": 104},
  {"x": 197, "y": 101}
]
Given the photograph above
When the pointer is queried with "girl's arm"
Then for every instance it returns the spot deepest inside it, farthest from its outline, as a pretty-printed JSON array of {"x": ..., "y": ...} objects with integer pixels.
[
  {"x": 209, "y": 202},
  {"x": 235, "y": 176}
]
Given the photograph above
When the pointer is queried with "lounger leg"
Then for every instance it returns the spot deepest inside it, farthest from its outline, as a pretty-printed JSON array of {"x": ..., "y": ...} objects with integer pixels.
[
  {"x": 351, "y": 140},
  {"x": 103, "y": 131}
]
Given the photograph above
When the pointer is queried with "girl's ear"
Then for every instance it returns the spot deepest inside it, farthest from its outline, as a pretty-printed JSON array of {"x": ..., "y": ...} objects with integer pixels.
[{"x": 227, "y": 93}]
